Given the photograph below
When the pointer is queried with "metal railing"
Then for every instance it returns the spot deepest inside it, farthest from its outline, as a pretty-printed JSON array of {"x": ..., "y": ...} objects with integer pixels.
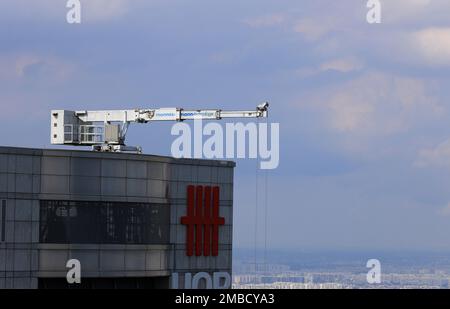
[{"x": 83, "y": 134}]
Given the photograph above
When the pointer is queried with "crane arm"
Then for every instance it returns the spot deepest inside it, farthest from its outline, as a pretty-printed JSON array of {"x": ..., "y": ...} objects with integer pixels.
[
  {"x": 167, "y": 114},
  {"x": 109, "y": 127}
]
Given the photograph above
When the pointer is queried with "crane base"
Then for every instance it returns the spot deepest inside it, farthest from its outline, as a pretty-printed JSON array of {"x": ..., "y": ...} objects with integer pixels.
[{"x": 117, "y": 148}]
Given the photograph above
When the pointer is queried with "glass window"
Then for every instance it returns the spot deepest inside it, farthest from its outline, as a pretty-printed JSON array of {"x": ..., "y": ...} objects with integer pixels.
[{"x": 104, "y": 222}]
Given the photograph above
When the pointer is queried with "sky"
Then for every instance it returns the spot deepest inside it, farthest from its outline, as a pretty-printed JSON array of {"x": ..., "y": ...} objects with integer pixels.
[{"x": 363, "y": 108}]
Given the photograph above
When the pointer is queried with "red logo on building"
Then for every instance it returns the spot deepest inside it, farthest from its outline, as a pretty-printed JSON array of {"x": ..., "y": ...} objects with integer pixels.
[{"x": 202, "y": 220}]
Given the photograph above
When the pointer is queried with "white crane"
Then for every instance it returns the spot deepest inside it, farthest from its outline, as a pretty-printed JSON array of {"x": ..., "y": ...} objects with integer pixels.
[{"x": 106, "y": 130}]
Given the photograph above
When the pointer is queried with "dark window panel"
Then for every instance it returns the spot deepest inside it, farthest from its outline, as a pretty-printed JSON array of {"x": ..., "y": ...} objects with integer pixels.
[
  {"x": 3, "y": 214},
  {"x": 104, "y": 222}
]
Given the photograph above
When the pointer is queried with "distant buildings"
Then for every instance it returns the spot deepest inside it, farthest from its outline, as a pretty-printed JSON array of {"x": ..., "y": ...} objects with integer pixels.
[{"x": 286, "y": 278}]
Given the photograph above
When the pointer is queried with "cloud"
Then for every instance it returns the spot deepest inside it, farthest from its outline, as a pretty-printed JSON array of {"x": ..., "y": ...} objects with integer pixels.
[
  {"x": 378, "y": 104},
  {"x": 399, "y": 10},
  {"x": 407, "y": 12},
  {"x": 342, "y": 65},
  {"x": 413, "y": 32},
  {"x": 350, "y": 112},
  {"x": 438, "y": 156},
  {"x": 367, "y": 115},
  {"x": 265, "y": 21},
  {"x": 101, "y": 10},
  {"x": 28, "y": 81},
  {"x": 433, "y": 45},
  {"x": 22, "y": 66},
  {"x": 313, "y": 29},
  {"x": 91, "y": 10}
]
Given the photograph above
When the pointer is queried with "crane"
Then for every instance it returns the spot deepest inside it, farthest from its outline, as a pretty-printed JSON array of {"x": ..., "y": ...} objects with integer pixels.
[{"x": 105, "y": 130}]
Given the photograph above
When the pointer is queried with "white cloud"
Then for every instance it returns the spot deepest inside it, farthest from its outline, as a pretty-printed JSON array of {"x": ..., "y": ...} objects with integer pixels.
[
  {"x": 342, "y": 65},
  {"x": 438, "y": 156},
  {"x": 27, "y": 65},
  {"x": 433, "y": 45},
  {"x": 379, "y": 104},
  {"x": 314, "y": 29},
  {"x": 365, "y": 114}
]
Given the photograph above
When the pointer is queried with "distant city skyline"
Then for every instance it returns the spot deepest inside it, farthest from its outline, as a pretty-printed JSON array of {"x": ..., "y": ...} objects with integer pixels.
[{"x": 340, "y": 270}]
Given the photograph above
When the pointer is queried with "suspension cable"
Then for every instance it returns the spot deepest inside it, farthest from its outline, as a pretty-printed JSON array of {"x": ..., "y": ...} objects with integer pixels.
[
  {"x": 256, "y": 212},
  {"x": 266, "y": 207}
]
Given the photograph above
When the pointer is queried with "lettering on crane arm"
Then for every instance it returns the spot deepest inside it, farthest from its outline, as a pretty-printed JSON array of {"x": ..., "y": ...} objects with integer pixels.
[{"x": 204, "y": 114}]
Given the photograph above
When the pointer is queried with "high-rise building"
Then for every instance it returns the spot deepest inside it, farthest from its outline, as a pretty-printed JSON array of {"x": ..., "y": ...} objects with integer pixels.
[{"x": 132, "y": 221}]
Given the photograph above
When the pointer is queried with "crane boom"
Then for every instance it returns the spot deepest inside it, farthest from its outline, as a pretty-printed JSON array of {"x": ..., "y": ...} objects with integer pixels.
[{"x": 105, "y": 130}]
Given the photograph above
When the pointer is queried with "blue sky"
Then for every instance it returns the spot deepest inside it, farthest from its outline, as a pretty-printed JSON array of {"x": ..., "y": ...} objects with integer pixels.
[{"x": 363, "y": 109}]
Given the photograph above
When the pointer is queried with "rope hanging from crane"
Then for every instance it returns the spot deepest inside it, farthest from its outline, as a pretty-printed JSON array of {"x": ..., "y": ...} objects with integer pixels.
[{"x": 265, "y": 214}]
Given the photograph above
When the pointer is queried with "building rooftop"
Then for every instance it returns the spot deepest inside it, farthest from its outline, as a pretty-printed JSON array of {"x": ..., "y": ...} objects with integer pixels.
[{"x": 111, "y": 155}]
